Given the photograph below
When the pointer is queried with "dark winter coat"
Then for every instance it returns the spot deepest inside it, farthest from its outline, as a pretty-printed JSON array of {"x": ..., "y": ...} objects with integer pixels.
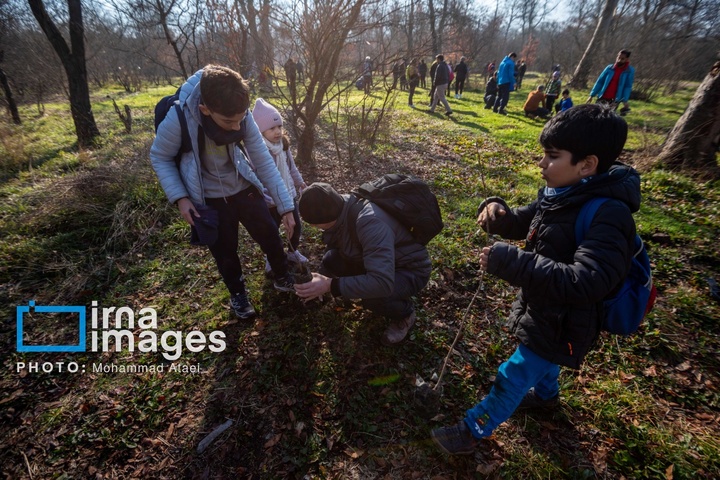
[
  {"x": 562, "y": 285},
  {"x": 461, "y": 70},
  {"x": 491, "y": 87},
  {"x": 385, "y": 246},
  {"x": 433, "y": 69},
  {"x": 442, "y": 74}
]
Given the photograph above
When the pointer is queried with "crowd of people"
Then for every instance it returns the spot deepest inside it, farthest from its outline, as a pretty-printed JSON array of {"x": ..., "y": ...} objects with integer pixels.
[
  {"x": 613, "y": 86},
  {"x": 371, "y": 257}
]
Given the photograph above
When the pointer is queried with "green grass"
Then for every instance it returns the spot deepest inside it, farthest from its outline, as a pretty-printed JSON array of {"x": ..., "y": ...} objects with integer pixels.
[{"x": 311, "y": 391}]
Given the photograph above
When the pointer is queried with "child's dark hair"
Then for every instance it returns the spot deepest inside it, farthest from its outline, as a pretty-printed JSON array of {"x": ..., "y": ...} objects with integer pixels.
[
  {"x": 566, "y": 92},
  {"x": 224, "y": 91},
  {"x": 587, "y": 129},
  {"x": 285, "y": 142}
]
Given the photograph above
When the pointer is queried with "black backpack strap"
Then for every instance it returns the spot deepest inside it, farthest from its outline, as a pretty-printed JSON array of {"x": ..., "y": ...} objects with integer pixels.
[
  {"x": 352, "y": 217},
  {"x": 185, "y": 143}
]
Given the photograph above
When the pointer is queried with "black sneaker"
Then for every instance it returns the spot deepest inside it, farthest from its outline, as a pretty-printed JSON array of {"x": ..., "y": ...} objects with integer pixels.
[
  {"x": 241, "y": 306},
  {"x": 502, "y": 111},
  {"x": 455, "y": 440},
  {"x": 531, "y": 400},
  {"x": 448, "y": 113},
  {"x": 284, "y": 283}
]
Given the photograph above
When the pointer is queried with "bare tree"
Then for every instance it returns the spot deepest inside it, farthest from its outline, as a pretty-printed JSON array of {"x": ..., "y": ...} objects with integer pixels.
[
  {"x": 597, "y": 43},
  {"x": 73, "y": 60},
  {"x": 437, "y": 25},
  {"x": 694, "y": 140},
  {"x": 258, "y": 28},
  {"x": 5, "y": 19},
  {"x": 322, "y": 28},
  {"x": 12, "y": 106},
  {"x": 174, "y": 21}
]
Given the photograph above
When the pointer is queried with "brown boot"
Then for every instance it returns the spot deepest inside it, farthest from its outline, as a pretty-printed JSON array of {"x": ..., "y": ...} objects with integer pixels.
[{"x": 398, "y": 330}]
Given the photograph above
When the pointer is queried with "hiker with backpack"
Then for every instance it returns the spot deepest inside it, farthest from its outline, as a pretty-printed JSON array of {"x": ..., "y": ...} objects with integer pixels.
[
  {"x": 370, "y": 255},
  {"x": 212, "y": 183},
  {"x": 563, "y": 280}
]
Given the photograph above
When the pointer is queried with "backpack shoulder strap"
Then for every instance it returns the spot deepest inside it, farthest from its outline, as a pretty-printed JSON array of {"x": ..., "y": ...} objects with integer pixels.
[
  {"x": 352, "y": 217},
  {"x": 185, "y": 144},
  {"x": 585, "y": 217}
]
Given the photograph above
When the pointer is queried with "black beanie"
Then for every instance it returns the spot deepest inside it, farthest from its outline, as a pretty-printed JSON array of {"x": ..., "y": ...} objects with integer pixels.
[{"x": 320, "y": 203}]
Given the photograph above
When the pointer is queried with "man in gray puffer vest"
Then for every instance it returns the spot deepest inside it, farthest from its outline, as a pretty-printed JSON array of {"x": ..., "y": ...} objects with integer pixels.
[{"x": 381, "y": 263}]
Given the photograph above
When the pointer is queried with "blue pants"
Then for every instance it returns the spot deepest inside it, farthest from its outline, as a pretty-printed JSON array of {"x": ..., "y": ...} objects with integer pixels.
[{"x": 521, "y": 372}]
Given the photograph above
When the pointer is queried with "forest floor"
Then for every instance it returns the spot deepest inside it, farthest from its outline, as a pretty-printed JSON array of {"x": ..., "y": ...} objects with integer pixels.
[{"x": 310, "y": 391}]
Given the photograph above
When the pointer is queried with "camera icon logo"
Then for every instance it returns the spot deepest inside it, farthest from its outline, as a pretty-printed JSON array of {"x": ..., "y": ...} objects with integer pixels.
[{"x": 31, "y": 308}]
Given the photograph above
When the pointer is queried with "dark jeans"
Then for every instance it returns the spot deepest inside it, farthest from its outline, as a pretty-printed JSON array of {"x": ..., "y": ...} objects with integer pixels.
[
  {"x": 540, "y": 112},
  {"x": 459, "y": 85},
  {"x": 550, "y": 101},
  {"x": 490, "y": 100},
  {"x": 413, "y": 84},
  {"x": 249, "y": 208},
  {"x": 295, "y": 240},
  {"x": 422, "y": 81},
  {"x": 503, "y": 97},
  {"x": 395, "y": 307}
]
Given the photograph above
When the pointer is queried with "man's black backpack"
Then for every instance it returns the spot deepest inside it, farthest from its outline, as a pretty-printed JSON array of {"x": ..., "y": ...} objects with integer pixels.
[
  {"x": 407, "y": 199},
  {"x": 161, "y": 110}
]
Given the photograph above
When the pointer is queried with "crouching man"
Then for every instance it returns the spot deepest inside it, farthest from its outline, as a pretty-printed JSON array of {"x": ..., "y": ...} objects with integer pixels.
[{"x": 369, "y": 256}]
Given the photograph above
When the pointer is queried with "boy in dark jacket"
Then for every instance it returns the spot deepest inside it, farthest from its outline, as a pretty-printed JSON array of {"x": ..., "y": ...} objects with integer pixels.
[
  {"x": 556, "y": 316},
  {"x": 380, "y": 263}
]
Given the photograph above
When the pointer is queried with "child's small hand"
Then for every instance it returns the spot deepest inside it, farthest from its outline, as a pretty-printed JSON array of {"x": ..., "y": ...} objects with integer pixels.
[
  {"x": 490, "y": 213},
  {"x": 288, "y": 222},
  {"x": 484, "y": 257}
]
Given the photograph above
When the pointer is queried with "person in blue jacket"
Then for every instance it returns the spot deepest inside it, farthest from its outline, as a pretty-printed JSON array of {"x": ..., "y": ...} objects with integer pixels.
[
  {"x": 506, "y": 82},
  {"x": 216, "y": 175},
  {"x": 615, "y": 83},
  {"x": 565, "y": 102}
]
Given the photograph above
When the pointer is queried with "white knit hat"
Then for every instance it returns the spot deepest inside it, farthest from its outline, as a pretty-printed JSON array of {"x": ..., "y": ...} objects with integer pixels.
[{"x": 266, "y": 116}]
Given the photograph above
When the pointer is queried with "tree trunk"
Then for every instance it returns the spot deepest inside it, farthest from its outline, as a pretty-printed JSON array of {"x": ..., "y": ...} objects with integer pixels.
[
  {"x": 582, "y": 71},
  {"x": 170, "y": 37},
  {"x": 306, "y": 144},
  {"x": 411, "y": 31},
  {"x": 693, "y": 143},
  {"x": 73, "y": 60},
  {"x": 433, "y": 32},
  {"x": 12, "y": 107}
]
